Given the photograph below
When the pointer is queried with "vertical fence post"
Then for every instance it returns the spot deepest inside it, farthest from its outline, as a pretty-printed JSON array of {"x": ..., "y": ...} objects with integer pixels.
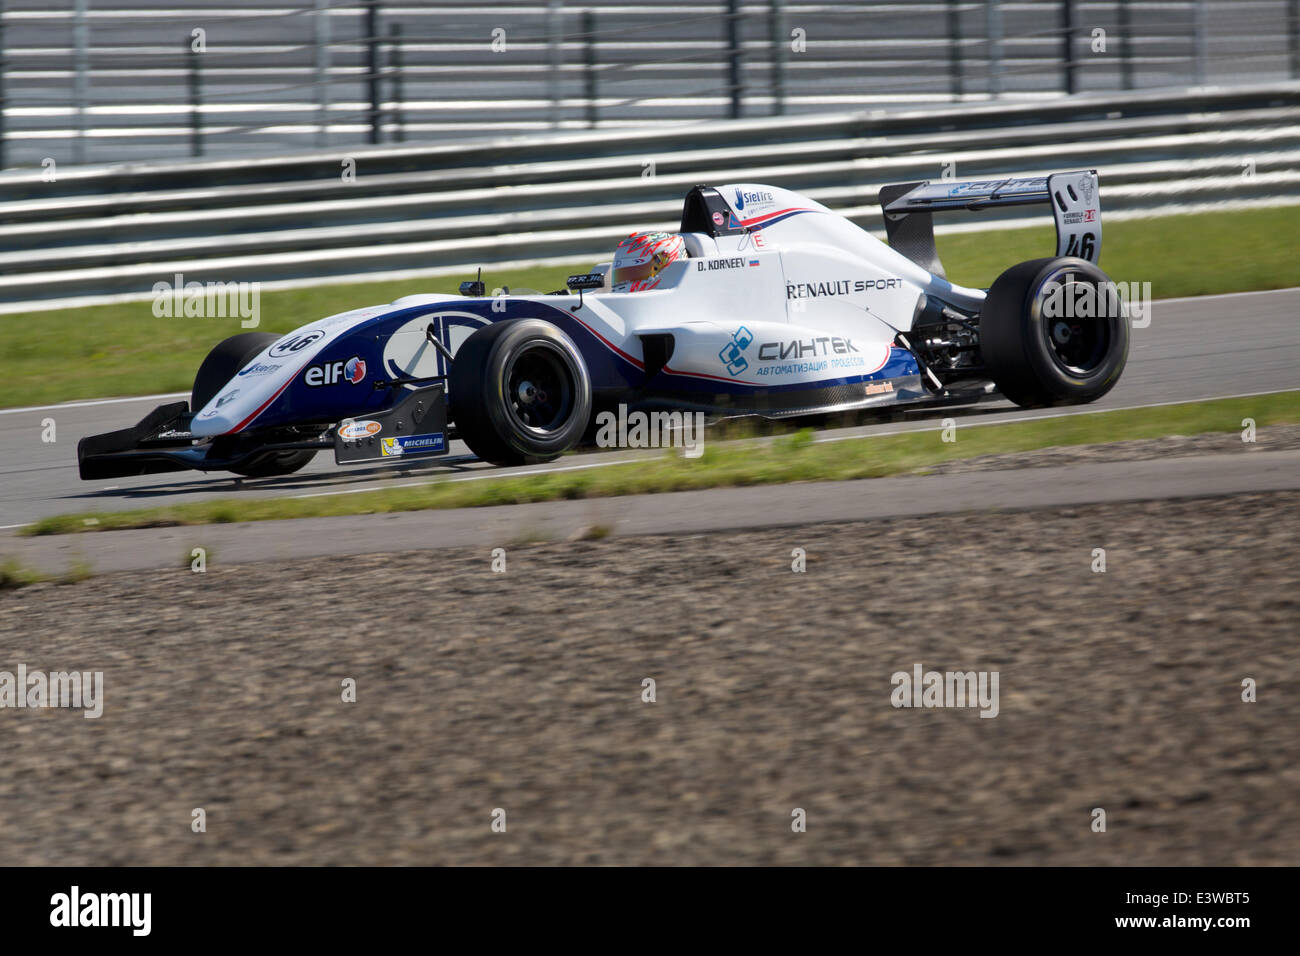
[
  {"x": 395, "y": 73},
  {"x": 554, "y": 41},
  {"x": 196, "y": 99},
  {"x": 1202, "y": 40},
  {"x": 1126, "y": 46},
  {"x": 993, "y": 31},
  {"x": 81, "y": 55},
  {"x": 777, "y": 39},
  {"x": 733, "y": 56},
  {"x": 955, "y": 84},
  {"x": 1067, "y": 44},
  {"x": 589, "y": 60},
  {"x": 3, "y": 103},
  {"x": 321, "y": 27},
  {"x": 372, "y": 67},
  {"x": 1293, "y": 36}
]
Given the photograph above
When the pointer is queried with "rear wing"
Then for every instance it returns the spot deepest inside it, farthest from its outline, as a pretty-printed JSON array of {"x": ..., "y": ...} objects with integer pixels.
[{"x": 1074, "y": 196}]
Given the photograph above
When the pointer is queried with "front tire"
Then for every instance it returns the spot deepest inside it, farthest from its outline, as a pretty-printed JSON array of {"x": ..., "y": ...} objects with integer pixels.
[
  {"x": 220, "y": 366},
  {"x": 520, "y": 392},
  {"x": 275, "y": 463},
  {"x": 1053, "y": 332}
]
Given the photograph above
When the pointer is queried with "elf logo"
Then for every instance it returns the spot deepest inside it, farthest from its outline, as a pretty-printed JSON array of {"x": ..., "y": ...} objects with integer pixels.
[{"x": 353, "y": 371}]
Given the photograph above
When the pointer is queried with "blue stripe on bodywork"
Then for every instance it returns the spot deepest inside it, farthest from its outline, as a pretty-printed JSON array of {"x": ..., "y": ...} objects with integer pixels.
[{"x": 610, "y": 371}]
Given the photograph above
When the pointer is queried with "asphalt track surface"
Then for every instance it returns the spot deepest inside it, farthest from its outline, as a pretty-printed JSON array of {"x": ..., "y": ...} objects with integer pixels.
[
  {"x": 1231, "y": 467},
  {"x": 1197, "y": 348}
]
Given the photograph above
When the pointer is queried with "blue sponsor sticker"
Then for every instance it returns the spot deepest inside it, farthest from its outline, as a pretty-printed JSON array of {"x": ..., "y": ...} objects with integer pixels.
[{"x": 412, "y": 445}]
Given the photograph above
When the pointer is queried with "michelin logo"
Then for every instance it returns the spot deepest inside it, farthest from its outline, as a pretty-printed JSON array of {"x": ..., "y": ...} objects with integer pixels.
[{"x": 412, "y": 444}]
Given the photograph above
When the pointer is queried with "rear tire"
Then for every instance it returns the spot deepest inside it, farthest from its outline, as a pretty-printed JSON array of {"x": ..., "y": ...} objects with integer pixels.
[
  {"x": 220, "y": 366},
  {"x": 519, "y": 392},
  {"x": 1049, "y": 339}
]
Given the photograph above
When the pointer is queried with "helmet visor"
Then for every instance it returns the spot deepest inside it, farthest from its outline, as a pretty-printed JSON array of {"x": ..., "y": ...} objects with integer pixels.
[{"x": 636, "y": 272}]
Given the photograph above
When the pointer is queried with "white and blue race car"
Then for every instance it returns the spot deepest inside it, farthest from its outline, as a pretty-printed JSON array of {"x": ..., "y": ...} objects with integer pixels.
[{"x": 764, "y": 303}]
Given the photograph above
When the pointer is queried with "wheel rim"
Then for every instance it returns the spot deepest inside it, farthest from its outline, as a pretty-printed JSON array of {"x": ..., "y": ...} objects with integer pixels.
[
  {"x": 540, "y": 390},
  {"x": 1079, "y": 344}
]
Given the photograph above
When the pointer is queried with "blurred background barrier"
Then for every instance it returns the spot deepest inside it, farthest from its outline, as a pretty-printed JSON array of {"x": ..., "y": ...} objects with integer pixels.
[
  {"x": 111, "y": 80},
  {"x": 393, "y": 210},
  {"x": 325, "y": 140}
]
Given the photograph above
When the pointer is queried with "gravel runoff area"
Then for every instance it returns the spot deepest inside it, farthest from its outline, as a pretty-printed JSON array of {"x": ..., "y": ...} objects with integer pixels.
[{"x": 522, "y": 691}]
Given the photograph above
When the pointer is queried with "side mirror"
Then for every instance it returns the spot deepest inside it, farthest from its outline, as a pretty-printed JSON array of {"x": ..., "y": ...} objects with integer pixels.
[
  {"x": 590, "y": 280},
  {"x": 474, "y": 288}
]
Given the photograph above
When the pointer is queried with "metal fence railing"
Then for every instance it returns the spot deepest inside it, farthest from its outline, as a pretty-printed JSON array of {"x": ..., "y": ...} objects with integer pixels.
[
  {"x": 425, "y": 208},
  {"x": 110, "y": 80}
]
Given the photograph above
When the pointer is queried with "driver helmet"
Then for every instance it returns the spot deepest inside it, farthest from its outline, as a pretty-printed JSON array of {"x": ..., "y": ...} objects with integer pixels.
[{"x": 640, "y": 259}]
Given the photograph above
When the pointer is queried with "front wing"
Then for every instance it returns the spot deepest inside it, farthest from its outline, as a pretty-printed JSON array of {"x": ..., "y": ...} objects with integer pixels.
[{"x": 162, "y": 442}]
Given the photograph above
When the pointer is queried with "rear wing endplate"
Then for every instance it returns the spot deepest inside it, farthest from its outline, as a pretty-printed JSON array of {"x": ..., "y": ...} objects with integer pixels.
[{"x": 1074, "y": 196}]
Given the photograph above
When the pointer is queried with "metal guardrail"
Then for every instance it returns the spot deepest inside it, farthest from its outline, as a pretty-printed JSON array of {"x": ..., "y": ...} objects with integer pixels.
[
  {"x": 118, "y": 230},
  {"x": 112, "y": 80}
]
